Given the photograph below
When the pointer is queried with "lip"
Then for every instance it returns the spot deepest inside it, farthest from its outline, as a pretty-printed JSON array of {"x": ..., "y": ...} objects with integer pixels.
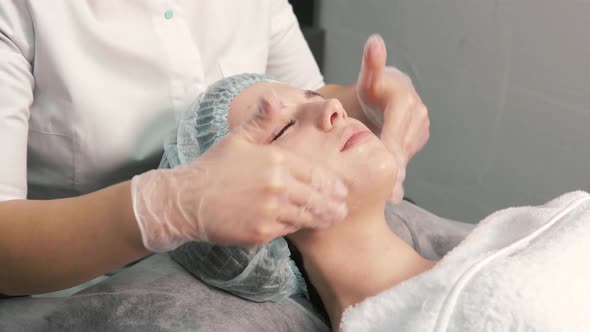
[{"x": 353, "y": 135}]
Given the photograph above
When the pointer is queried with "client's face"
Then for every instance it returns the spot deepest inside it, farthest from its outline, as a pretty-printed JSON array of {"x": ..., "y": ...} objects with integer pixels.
[{"x": 320, "y": 130}]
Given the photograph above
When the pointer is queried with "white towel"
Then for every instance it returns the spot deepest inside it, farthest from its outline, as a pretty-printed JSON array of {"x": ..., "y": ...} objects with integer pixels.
[{"x": 521, "y": 269}]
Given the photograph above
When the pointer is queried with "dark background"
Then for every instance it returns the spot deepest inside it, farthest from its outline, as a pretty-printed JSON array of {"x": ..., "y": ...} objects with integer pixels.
[{"x": 307, "y": 15}]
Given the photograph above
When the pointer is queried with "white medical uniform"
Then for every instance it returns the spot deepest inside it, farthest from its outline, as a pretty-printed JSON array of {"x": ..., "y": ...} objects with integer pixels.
[{"x": 89, "y": 88}]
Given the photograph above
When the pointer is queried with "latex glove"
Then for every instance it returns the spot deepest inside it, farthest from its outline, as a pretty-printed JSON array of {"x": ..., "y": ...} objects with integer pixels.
[
  {"x": 390, "y": 101},
  {"x": 242, "y": 191}
]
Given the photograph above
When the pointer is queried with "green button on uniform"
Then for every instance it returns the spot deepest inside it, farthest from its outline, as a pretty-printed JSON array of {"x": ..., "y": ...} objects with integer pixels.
[{"x": 168, "y": 14}]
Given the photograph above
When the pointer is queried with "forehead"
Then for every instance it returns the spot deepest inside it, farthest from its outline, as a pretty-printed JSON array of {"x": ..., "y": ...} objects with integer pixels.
[{"x": 246, "y": 103}]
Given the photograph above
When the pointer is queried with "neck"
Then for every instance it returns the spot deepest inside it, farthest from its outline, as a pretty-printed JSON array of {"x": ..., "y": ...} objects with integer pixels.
[{"x": 355, "y": 259}]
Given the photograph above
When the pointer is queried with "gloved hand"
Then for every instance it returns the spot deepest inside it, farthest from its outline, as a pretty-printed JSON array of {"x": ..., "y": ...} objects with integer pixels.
[
  {"x": 242, "y": 191},
  {"x": 389, "y": 100}
]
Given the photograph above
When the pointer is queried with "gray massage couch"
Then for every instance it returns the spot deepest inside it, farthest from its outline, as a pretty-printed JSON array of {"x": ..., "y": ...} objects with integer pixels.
[{"x": 157, "y": 294}]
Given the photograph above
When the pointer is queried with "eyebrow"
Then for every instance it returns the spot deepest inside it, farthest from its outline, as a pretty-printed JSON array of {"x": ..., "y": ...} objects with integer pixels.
[{"x": 310, "y": 94}]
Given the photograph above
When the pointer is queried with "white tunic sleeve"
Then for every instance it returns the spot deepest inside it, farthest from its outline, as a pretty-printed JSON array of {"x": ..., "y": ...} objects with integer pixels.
[
  {"x": 16, "y": 96},
  {"x": 289, "y": 59}
]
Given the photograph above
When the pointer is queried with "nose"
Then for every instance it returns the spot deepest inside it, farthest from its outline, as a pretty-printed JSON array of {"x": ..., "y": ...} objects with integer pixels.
[{"x": 331, "y": 113}]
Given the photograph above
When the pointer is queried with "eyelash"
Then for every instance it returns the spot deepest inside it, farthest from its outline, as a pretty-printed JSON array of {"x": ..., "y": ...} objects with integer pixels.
[{"x": 292, "y": 122}]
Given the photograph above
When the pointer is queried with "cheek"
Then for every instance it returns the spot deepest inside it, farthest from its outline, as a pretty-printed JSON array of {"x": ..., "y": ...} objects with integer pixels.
[
  {"x": 383, "y": 167},
  {"x": 371, "y": 171},
  {"x": 304, "y": 143}
]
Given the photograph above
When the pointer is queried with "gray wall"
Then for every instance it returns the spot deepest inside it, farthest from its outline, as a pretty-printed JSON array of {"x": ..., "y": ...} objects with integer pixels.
[{"x": 507, "y": 84}]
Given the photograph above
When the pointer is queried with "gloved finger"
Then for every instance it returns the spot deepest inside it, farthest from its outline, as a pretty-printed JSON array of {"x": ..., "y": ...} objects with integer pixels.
[
  {"x": 392, "y": 118},
  {"x": 315, "y": 209},
  {"x": 401, "y": 172},
  {"x": 287, "y": 229},
  {"x": 416, "y": 128},
  {"x": 316, "y": 178},
  {"x": 295, "y": 216},
  {"x": 397, "y": 120},
  {"x": 273, "y": 230},
  {"x": 261, "y": 126},
  {"x": 398, "y": 75},
  {"x": 393, "y": 143},
  {"x": 372, "y": 65},
  {"x": 397, "y": 185},
  {"x": 425, "y": 135},
  {"x": 404, "y": 105},
  {"x": 397, "y": 195}
]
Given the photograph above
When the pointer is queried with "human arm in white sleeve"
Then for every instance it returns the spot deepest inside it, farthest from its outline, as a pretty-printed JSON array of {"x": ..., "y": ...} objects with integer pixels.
[
  {"x": 47, "y": 245},
  {"x": 289, "y": 59},
  {"x": 55, "y": 244},
  {"x": 16, "y": 97}
]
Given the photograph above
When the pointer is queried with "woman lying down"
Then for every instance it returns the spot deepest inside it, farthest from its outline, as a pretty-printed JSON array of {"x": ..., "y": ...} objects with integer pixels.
[{"x": 520, "y": 269}]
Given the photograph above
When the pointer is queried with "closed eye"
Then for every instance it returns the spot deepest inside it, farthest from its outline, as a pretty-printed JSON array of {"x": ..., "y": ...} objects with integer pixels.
[
  {"x": 310, "y": 94},
  {"x": 292, "y": 122}
]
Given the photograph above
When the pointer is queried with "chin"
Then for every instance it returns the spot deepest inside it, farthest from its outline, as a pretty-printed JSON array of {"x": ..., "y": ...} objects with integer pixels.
[{"x": 374, "y": 172}]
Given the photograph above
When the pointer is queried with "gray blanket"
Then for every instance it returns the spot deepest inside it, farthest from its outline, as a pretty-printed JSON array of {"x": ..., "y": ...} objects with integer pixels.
[
  {"x": 155, "y": 295},
  {"x": 158, "y": 295}
]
